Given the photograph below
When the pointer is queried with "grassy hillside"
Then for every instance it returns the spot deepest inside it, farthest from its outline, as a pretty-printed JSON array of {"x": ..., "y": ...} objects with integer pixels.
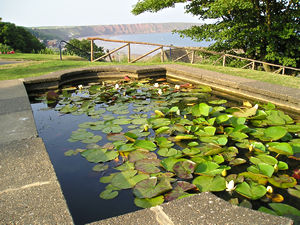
[{"x": 38, "y": 64}]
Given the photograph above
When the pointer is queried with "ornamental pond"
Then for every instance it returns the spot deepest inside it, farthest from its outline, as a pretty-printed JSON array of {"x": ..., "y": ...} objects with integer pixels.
[{"x": 119, "y": 146}]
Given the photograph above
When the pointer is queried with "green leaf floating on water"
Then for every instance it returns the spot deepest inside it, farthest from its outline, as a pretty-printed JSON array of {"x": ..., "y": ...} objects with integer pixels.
[
  {"x": 284, "y": 209},
  {"x": 275, "y": 133},
  {"x": 179, "y": 190},
  {"x": 283, "y": 181},
  {"x": 295, "y": 191},
  {"x": 281, "y": 148},
  {"x": 79, "y": 135},
  {"x": 166, "y": 152},
  {"x": 152, "y": 187},
  {"x": 148, "y": 166},
  {"x": 263, "y": 158},
  {"x": 252, "y": 191},
  {"x": 100, "y": 167},
  {"x": 169, "y": 162},
  {"x": 206, "y": 183},
  {"x": 127, "y": 179},
  {"x": 184, "y": 169},
  {"x": 141, "y": 154},
  {"x": 201, "y": 109},
  {"x": 210, "y": 168},
  {"x": 108, "y": 194},
  {"x": 262, "y": 168},
  {"x": 144, "y": 144},
  {"x": 99, "y": 155},
  {"x": 149, "y": 202}
]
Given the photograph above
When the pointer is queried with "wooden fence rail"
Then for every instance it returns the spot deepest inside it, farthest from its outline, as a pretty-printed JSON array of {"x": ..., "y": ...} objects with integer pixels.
[{"x": 189, "y": 50}]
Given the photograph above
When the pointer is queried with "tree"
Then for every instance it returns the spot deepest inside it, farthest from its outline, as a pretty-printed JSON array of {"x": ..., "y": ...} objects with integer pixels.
[
  {"x": 19, "y": 38},
  {"x": 264, "y": 29},
  {"x": 82, "y": 48}
]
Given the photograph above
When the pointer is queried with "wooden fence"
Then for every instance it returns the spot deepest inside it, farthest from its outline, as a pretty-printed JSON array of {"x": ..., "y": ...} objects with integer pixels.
[{"x": 188, "y": 51}]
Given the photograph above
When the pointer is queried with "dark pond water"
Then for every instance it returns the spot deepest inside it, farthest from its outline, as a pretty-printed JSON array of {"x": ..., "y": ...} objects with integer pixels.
[{"x": 80, "y": 184}]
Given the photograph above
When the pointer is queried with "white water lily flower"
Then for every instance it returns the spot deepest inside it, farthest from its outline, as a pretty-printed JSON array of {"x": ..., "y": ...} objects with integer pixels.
[
  {"x": 156, "y": 85},
  {"x": 230, "y": 185},
  {"x": 80, "y": 86},
  {"x": 178, "y": 112},
  {"x": 177, "y": 86},
  {"x": 159, "y": 92},
  {"x": 256, "y": 106},
  {"x": 270, "y": 189},
  {"x": 117, "y": 86}
]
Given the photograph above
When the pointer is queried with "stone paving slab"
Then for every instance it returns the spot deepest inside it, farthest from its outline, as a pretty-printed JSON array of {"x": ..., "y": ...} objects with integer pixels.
[
  {"x": 29, "y": 189},
  {"x": 204, "y": 208},
  {"x": 16, "y": 119}
]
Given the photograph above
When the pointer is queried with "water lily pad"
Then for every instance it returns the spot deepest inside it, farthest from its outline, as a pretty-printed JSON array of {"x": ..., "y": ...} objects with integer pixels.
[
  {"x": 284, "y": 209},
  {"x": 258, "y": 178},
  {"x": 237, "y": 161},
  {"x": 116, "y": 137},
  {"x": 169, "y": 162},
  {"x": 127, "y": 179},
  {"x": 191, "y": 151},
  {"x": 179, "y": 190},
  {"x": 283, "y": 181},
  {"x": 252, "y": 191},
  {"x": 206, "y": 183},
  {"x": 275, "y": 133},
  {"x": 148, "y": 166},
  {"x": 295, "y": 191},
  {"x": 123, "y": 121},
  {"x": 108, "y": 194},
  {"x": 210, "y": 168},
  {"x": 163, "y": 142},
  {"x": 166, "y": 152},
  {"x": 125, "y": 166},
  {"x": 263, "y": 158},
  {"x": 149, "y": 202},
  {"x": 111, "y": 128},
  {"x": 281, "y": 148},
  {"x": 201, "y": 109},
  {"x": 99, "y": 155},
  {"x": 246, "y": 112},
  {"x": 162, "y": 130},
  {"x": 126, "y": 148},
  {"x": 79, "y": 135},
  {"x": 238, "y": 136},
  {"x": 151, "y": 187},
  {"x": 144, "y": 144},
  {"x": 184, "y": 137},
  {"x": 184, "y": 169},
  {"x": 159, "y": 122},
  {"x": 141, "y": 154},
  {"x": 262, "y": 168},
  {"x": 93, "y": 139},
  {"x": 100, "y": 167},
  {"x": 218, "y": 102}
]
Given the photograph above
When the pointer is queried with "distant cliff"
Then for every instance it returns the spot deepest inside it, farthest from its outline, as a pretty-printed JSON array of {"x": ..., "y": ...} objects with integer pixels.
[{"x": 66, "y": 33}]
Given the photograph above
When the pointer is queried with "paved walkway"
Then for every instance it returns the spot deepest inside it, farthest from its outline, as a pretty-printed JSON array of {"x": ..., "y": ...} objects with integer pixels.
[{"x": 31, "y": 194}]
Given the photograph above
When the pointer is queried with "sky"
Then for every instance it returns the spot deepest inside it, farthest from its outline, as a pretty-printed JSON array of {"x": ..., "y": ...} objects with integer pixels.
[{"x": 35, "y": 13}]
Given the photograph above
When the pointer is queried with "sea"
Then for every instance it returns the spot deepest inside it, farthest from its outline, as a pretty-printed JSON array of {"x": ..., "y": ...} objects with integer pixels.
[{"x": 156, "y": 38}]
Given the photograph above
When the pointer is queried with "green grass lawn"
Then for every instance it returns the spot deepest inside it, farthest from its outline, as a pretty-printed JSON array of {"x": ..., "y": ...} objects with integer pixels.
[{"x": 39, "y": 64}]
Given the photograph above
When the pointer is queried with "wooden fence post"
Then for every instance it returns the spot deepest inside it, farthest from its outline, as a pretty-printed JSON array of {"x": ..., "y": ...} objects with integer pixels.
[
  {"x": 283, "y": 70},
  {"x": 253, "y": 65},
  {"x": 92, "y": 50},
  {"x": 162, "y": 57},
  {"x": 224, "y": 60},
  {"x": 193, "y": 57},
  {"x": 129, "y": 53}
]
